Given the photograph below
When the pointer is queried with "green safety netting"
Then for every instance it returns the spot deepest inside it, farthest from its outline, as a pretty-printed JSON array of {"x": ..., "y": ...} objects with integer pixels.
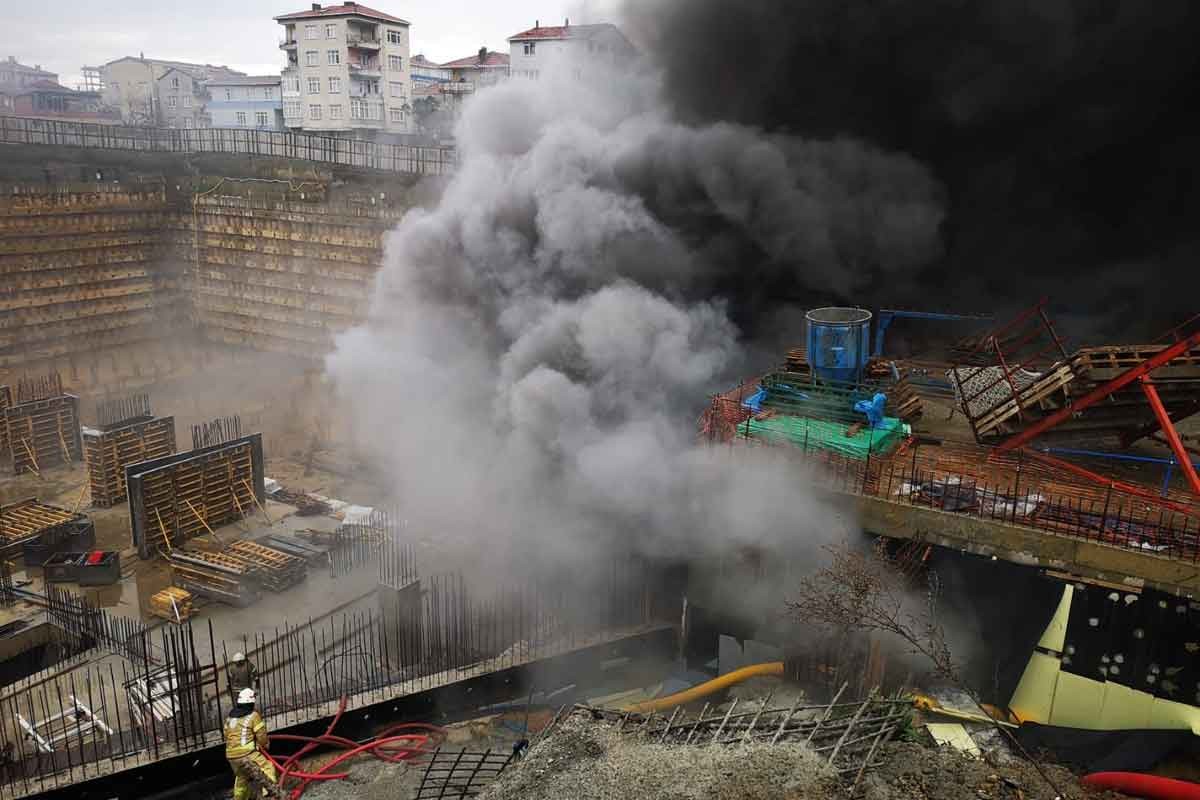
[{"x": 827, "y": 435}]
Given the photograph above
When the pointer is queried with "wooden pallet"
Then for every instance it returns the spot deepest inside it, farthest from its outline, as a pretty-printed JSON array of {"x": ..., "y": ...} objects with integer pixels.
[
  {"x": 279, "y": 570},
  {"x": 217, "y": 576},
  {"x": 109, "y": 452},
  {"x": 1037, "y": 392},
  {"x": 26, "y": 519},
  {"x": 173, "y": 604},
  {"x": 43, "y": 433}
]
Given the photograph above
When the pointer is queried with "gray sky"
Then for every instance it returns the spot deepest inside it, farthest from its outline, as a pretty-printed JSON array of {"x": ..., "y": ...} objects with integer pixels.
[{"x": 62, "y": 35}]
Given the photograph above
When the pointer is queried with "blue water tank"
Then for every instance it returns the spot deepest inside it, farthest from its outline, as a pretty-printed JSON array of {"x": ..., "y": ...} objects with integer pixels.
[{"x": 839, "y": 342}]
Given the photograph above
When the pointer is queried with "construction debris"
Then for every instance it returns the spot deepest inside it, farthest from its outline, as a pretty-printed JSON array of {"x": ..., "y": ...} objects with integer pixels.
[{"x": 306, "y": 505}]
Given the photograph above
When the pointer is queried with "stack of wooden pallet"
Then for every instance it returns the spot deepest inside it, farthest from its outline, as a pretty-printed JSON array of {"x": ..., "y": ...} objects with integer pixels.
[
  {"x": 217, "y": 576},
  {"x": 797, "y": 360},
  {"x": 172, "y": 603},
  {"x": 278, "y": 570}
]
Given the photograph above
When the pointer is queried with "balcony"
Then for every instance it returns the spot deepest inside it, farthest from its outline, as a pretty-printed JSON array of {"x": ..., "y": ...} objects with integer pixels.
[
  {"x": 458, "y": 87},
  {"x": 366, "y": 114},
  {"x": 365, "y": 70},
  {"x": 288, "y": 43},
  {"x": 363, "y": 41}
]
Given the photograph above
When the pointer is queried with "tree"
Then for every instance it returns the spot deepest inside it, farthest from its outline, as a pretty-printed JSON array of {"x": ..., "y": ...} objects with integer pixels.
[
  {"x": 867, "y": 592},
  {"x": 431, "y": 118}
]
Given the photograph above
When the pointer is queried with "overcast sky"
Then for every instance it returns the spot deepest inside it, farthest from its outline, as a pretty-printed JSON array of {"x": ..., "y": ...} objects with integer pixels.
[{"x": 63, "y": 35}]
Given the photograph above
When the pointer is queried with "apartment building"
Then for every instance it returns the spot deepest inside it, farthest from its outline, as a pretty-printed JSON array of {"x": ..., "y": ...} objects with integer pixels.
[
  {"x": 348, "y": 71},
  {"x": 252, "y": 102},
  {"x": 534, "y": 51},
  {"x": 152, "y": 91}
]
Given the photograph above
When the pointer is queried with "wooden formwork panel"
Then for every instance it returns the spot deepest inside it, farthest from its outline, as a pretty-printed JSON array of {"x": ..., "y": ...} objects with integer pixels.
[
  {"x": 26, "y": 520},
  {"x": 179, "y": 497},
  {"x": 43, "y": 433},
  {"x": 109, "y": 452},
  {"x": 5, "y": 402}
]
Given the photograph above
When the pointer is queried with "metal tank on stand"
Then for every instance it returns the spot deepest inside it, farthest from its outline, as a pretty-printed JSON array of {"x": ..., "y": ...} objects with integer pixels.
[{"x": 839, "y": 343}]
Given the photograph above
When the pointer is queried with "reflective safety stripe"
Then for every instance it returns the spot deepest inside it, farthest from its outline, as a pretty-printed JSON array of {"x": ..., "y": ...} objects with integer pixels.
[{"x": 239, "y": 735}]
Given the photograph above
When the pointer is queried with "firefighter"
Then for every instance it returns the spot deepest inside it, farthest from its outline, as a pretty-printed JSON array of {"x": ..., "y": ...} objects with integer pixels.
[
  {"x": 242, "y": 675},
  {"x": 245, "y": 749}
]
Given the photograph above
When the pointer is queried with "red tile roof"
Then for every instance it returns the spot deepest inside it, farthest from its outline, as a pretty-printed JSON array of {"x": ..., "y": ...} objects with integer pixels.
[
  {"x": 560, "y": 32},
  {"x": 345, "y": 9},
  {"x": 492, "y": 59}
]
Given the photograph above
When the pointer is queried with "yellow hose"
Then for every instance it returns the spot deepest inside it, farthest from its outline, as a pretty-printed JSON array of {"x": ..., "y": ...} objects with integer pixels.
[{"x": 773, "y": 669}]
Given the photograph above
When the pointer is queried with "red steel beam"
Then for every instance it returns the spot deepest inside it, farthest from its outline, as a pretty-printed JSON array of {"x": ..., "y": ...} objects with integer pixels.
[
  {"x": 1168, "y": 429},
  {"x": 1100, "y": 392},
  {"x": 1151, "y": 497}
]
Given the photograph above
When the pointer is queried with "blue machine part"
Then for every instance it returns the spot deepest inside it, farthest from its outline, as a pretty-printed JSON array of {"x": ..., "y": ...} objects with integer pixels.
[
  {"x": 754, "y": 402},
  {"x": 839, "y": 342},
  {"x": 873, "y": 408}
]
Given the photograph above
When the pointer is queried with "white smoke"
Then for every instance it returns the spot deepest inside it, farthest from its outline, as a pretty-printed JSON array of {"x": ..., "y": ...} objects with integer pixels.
[{"x": 542, "y": 339}]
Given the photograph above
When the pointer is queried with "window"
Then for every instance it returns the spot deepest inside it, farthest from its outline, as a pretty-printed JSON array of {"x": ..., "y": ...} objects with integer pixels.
[
  {"x": 331, "y": 31},
  {"x": 314, "y": 112},
  {"x": 395, "y": 37},
  {"x": 335, "y": 57},
  {"x": 371, "y": 87},
  {"x": 241, "y": 118},
  {"x": 172, "y": 101},
  {"x": 530, "y": 47},
  {"x": 395, "y": 63},
  {"x": 397, "y": 89},
  {"x": 175, "y": 82},
  {"x": 314, "y": 85},
  {"x": 260, "y": 119},
  {"x": 187, "y": 101},
  {"x": 187, "y": 122},
  {"x": 335, "y": 85},
  {"x": 291, "y": 108},
  {"x": 269, "y": 92},
  {"x": 228, "y": 94},
  {"x": 397, "y": 114},
  {"x": 335, "y": 112},
  {"x": 292, "y": 84},
  {"x": 310, "y": 31},
  {"x": 311, "y": 58}
]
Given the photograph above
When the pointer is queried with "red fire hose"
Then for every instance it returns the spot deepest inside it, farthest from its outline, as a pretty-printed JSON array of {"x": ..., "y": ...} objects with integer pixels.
[
  {"x": 1150, "y": 787},
  {"x": 395, "y": 744}
]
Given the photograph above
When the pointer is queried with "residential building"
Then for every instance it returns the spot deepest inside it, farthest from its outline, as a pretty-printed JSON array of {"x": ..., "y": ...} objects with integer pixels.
[
  {"x": 533, "y": 51},
  {"x": 15, "y": 75},
  {"x": 34, "y": 92},
  {"x": 424, "y": 73},
  {"x": 181, "y": 100},
  {"x": 252, "y": 102},
  {"x": 136, "y": 88},
  {"x": 348, "y": 71},
  {"x": 485, "y": 68}
]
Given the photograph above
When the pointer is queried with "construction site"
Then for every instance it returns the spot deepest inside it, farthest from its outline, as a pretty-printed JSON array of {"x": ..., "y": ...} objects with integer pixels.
[{"x": 179, "y": 483}]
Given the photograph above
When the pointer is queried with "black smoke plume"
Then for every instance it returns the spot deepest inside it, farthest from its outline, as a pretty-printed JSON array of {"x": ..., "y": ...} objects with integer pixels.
[{"x": 1064, "y": 132}]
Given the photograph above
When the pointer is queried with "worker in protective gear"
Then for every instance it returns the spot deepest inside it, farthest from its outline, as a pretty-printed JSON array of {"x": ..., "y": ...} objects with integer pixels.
[
  {"x": 241, "y": 674},
  {"x": 245, "y": 749}
]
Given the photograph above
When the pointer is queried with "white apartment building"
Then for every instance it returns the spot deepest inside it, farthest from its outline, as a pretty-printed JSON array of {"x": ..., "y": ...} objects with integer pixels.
[
  {"x": 531, "y": 52},
  {"x": 347, "y": 72}
]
